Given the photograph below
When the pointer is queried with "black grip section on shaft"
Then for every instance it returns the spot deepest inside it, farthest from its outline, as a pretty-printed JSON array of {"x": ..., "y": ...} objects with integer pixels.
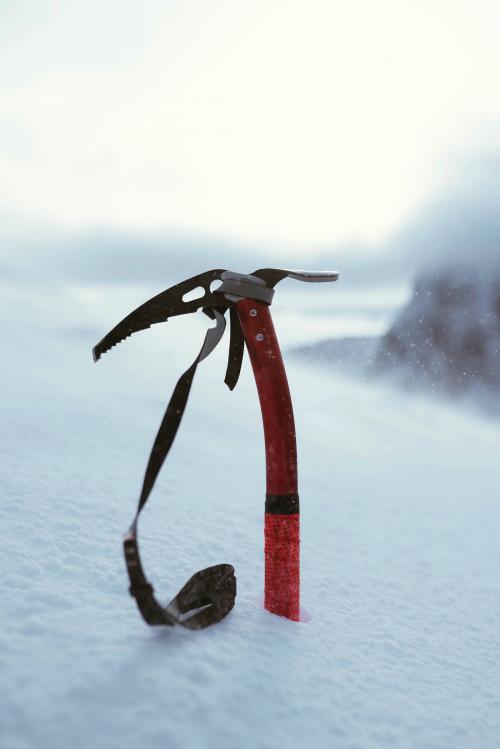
[{"x": 282, "y": 504}]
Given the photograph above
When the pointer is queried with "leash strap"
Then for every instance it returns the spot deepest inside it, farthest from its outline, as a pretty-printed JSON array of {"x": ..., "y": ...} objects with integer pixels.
[
  {"x": 210, "y": 593},
  {"x": 236, "y": 351}
]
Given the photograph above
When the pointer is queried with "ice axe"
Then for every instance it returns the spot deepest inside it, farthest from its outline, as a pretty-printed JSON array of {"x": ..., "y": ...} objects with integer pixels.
[{"x": 210, "y": 594}]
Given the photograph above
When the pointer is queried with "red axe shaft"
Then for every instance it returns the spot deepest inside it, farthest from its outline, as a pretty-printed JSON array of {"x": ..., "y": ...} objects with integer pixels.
[{"x": 282, "y": 537}]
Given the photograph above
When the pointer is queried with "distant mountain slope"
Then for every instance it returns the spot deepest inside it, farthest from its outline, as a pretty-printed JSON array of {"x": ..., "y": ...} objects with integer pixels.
[{"x": 448, "y": 336}]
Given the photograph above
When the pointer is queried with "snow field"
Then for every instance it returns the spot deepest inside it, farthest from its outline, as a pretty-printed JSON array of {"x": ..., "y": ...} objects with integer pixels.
[{"x": 400, "y": 517}]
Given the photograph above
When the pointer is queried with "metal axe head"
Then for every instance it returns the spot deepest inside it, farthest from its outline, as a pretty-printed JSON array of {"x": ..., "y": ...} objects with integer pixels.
[{"x": 232, "y": 286}]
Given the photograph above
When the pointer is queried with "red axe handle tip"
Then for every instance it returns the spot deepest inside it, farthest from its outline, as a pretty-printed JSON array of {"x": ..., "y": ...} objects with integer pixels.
[{"x": 282, "y": 565}]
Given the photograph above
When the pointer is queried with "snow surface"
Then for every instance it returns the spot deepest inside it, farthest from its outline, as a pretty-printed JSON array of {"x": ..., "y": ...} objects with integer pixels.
[{"x": 400, "y": 556}]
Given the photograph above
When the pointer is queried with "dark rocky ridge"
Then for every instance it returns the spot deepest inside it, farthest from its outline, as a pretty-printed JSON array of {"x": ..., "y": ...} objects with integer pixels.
[
  {"x": 448, "y": 336},
  {"x": 446, "y": 340}
]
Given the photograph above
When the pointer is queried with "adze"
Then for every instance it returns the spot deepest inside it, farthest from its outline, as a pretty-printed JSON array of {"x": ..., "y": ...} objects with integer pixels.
[{"x": 210, "y": 594}]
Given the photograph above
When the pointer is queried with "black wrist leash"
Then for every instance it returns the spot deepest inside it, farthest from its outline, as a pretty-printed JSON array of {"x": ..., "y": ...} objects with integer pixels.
[{"x": 210, "y": 593}]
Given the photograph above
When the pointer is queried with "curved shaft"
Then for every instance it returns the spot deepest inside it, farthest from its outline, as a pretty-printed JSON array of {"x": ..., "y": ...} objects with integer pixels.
[{"x": 282, "y": 557}]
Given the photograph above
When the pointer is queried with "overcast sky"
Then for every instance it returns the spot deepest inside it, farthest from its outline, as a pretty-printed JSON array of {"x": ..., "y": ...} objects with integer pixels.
[{"x": 293, "y": 124}]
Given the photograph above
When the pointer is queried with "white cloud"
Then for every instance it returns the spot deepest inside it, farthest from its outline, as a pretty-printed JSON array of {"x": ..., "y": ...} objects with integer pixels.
[
  {"x": 459, "y": 226},
  {"x": 289, "y": 123}
]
